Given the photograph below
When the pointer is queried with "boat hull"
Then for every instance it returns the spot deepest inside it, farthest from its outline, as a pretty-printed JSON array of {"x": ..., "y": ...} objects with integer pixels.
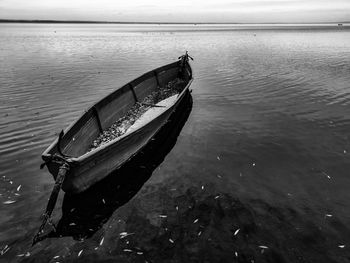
[{"x": 86, "y": 171}]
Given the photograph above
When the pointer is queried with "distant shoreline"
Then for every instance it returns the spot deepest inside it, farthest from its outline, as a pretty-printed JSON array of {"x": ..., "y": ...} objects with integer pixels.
[{"x": 149, "y": 23}]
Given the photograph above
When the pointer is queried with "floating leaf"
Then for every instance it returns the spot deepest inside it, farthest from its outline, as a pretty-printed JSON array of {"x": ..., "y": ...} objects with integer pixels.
[
  {"x": 125, "y": 234},
  {"x": 81, "y": 251},
  {"x": 326, "y": 175},
  {"x": 171, "y": 241},
  {"x": 19, "y": 187},
  {"x": 195, "y": 221},
  {"x": 101, "y": 242},
  {"x": 9, "y": 202},
  {"x": 341, "y": 246},
  {"x": 263, "y": 247},
  {"x": 236, "y": 232},
  {"x": 4, "y": 250}
]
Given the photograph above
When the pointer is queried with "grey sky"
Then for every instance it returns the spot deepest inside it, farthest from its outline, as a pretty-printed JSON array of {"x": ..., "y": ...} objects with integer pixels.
[{"x": 252, "y": 11}]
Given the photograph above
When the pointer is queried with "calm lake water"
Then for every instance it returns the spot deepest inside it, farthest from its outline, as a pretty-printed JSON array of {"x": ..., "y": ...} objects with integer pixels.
[{"x": 258, "y": 173}]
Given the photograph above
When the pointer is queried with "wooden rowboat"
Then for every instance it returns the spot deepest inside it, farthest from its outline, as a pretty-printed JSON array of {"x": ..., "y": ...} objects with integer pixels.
[{"x": 68, "y": 158}]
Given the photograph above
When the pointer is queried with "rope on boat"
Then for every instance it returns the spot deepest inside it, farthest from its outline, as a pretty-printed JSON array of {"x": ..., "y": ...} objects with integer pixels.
[
  {"x": 64, "y": 168},
  {"x": 183, "y": 61}
]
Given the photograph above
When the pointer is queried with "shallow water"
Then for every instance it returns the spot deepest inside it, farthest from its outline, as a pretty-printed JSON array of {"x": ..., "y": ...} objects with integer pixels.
[{"x": 264, "y": 150}]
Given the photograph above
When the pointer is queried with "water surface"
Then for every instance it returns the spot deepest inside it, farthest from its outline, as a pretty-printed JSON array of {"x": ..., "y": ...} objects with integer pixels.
[{"x": 265, "y": 148}]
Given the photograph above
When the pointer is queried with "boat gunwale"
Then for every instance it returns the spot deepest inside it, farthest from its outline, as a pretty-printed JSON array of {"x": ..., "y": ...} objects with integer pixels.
[{"x": 138, "y": 80}]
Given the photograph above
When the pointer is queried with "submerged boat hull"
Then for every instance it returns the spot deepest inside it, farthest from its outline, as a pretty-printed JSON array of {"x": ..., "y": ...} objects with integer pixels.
[{"x": 91, "y": 167}]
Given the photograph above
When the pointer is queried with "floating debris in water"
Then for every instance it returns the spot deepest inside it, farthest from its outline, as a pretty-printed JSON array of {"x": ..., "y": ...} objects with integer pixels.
[
  {"x": 216, "y": 197},
  {"x": 139, "y": 253},
  {"x": 326, "y": 175},
  {"x": 163, "y": 216},
  {"x": 125, "y": 234},
  {"x": 263, "y": 247},
  {"x": 195, "y": 221},
  {"x": 240, "y": 174},
  {"x": 56, "y": 257},
  {"x": 219, "y": 176},
  {"x": 103, "y": 201},
  {"x": 329, "y": 215},
  {"x": 236, "y": 232},
  {"x": 253, "y": 164},
  {"x": 24, "y": 255},
  {"x": 4, "y": 250},
  {"x": 202, "y": 187},
  {"x": 341, "y": 246},
  {"x": 236, "y": 254},
  {"x": 171, "y": 241},
  {"x": 101, "y": 242},
  {"x": 19, "y": 187},
  {"x": 344, "y": 151},
  {"x": 72, "y": 224},
  {"x": 217, "y": 157},
  {"x": 81, "y": 251},
  {"x": 127, "y": 250},
  {"x": 177, "y": 208},
  {"x": 200, "y": 232},
  {"x": 8, "y": 202},
  {"x": 11, "y": 182}
]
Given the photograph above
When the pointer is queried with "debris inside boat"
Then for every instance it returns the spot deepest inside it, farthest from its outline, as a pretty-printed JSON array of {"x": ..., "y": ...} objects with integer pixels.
[{"x": 142, "y": 111}]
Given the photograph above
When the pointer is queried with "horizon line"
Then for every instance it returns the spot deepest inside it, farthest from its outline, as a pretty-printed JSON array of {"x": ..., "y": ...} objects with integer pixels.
[{"x": 54, "y": 21}]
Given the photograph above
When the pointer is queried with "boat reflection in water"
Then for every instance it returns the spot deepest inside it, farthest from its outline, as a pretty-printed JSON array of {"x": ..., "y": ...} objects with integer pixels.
[{"x": 85, "y": 213}]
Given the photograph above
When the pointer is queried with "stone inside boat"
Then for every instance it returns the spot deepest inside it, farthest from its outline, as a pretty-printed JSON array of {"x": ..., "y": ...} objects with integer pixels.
[{"x": 141, "y": 112}]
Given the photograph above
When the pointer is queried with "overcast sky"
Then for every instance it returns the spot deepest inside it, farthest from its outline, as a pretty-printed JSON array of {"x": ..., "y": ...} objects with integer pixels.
[{"x": 251, "y": 11}]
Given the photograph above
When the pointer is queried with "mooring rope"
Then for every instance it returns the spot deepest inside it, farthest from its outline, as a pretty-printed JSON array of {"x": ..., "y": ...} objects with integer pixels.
[{"x": 64, "y": 168}]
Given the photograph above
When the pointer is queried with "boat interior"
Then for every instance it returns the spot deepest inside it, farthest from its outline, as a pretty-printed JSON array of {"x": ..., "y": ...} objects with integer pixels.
[{"x": 78, "y": 137}]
